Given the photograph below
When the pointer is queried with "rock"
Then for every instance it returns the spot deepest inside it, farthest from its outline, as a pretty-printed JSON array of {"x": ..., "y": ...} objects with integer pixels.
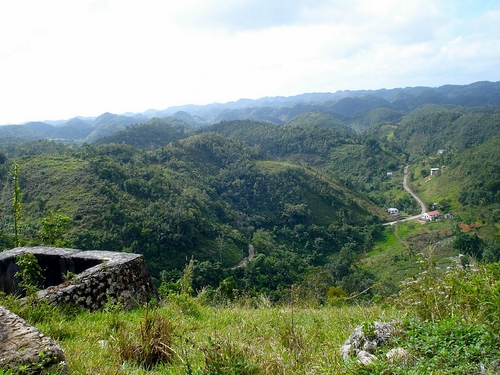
[
  {"x": 345, "y": 352},
  {"x": 24, "y": 345},
  {"x": 370, "y": 346},
  {"x": 398, "y": 355},
  {"x": 384, "y": 331},
  {"x": 362, "y": 345},
  {"x": 365, "y": 358}
]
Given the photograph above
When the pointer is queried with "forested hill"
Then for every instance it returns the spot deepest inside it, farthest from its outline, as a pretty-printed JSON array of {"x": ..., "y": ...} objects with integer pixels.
[
  {"x": 308, "y": 193},
  {"x": 344, "y": 105},
  {"x": 205, "y": 196},
  {"x": 431, "y": 128}
]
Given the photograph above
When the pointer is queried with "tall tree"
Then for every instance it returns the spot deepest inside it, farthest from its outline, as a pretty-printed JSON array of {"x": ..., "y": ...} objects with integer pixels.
[{"x": 16, "y": 204}]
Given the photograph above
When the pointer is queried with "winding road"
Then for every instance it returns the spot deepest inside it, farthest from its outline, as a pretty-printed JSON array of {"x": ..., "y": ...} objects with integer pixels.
[
  {"x": 251, "y": 255},
  {"x": 423, "y": 209}
]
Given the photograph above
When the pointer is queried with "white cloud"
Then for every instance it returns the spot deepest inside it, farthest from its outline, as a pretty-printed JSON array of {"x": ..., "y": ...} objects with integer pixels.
[{"x": 64, "y": 58}]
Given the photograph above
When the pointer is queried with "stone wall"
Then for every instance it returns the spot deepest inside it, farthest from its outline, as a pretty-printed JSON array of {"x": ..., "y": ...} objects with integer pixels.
[{"x": 99, "y": 276}]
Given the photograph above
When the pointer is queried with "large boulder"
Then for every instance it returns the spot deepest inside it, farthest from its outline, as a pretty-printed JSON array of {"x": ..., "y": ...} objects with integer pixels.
[{"x": 25, "y": 347}]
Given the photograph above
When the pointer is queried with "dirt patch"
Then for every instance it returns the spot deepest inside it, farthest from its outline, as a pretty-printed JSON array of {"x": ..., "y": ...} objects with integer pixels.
[
  {"x": 468, "y": 227},
  {"x": 423, "y": 240}
]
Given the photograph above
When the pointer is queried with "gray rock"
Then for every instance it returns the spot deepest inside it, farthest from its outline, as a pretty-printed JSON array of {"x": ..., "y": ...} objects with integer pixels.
[
  {"x": 366, "y": 342},
  {"x": 399, "y": 355},
  {"x": 345, "y": 352},
  {"x": 98, "y": 276},
  {"x": 365, "y": 358},
  {"x": 24, "y": 345}
]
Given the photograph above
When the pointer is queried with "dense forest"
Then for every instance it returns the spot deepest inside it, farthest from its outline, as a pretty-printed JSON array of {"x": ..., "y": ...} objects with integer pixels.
[{"x": 308, "y": 193}]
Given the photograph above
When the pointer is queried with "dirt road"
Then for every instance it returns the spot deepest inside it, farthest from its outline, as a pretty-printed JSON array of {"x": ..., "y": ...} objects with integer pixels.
[{"x": 423, "y": 208}]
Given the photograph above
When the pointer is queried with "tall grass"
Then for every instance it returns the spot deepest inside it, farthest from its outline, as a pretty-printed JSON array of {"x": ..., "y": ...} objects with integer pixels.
[
  {"x": 216, "y": 340},
  {"x": 449, "y": 317}
]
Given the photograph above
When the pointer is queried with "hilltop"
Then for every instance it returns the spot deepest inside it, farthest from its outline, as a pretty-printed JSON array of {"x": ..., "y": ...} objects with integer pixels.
[{"x": 356, "y": 110}]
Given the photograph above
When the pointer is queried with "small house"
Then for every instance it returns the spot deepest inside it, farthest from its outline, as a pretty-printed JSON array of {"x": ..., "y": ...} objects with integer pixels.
[
  {"x": 389, "y": 174},
  {"x": 434, "y": 171},
  {"x": 430, "y": 216},
  {"x": 393, "y": 211}
]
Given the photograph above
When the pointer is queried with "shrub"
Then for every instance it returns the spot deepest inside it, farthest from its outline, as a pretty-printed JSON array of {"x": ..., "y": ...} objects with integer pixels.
[
  {"x": 29, "y": 274},
  {"x": 450, "y": 346},
  {"x": 468, "y": 291},
  {"x": 150, "y": 345},
  {"x": 223, "y": 357},
  {"x": 447, "y": 346}
]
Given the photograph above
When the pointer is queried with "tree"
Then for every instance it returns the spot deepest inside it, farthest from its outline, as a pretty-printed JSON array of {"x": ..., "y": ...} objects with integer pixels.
[
  {"x": 16, "y": 204},
  {"x": 6, "y": 242},
  {"x": 424, "y": 173},
  {"x": 54, "y": 224},
  {"x": 29, "y": 274},
  {"x": 468, "y": 244},
  {"x": 491, "y": 253}
]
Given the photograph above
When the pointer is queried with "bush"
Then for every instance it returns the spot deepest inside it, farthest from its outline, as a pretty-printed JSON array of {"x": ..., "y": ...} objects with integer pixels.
[
  {"x": 150, "y": 345},
  {"x": 450, "y": 346},
  {"x": 468, "y": 291},
  {"x": 29, "y": 274},
  {"x": 447, "y": 346},
  {"x": 223, "y": 357}
]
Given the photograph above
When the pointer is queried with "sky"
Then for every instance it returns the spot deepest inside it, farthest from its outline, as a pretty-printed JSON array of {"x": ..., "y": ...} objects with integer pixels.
[{"x": 60, "y": 59}]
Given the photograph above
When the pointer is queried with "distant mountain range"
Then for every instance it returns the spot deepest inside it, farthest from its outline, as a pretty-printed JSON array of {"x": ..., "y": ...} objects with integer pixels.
[{"x": 358, "y": 110}]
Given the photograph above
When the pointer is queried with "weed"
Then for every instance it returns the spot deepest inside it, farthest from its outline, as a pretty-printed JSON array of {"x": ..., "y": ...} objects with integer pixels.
[
  {"x": 187, "y": 305},
  {"x": 150, "y": 345},
  {"x": 29, "y": 274},
  {"x": 113, "y": 311},
  {"x": 469, "y": 291},
  {"x": 69, "y": 276},
  {"x": 43, "y": 366},
  {"x": 223, "y": 357},
  {"x": 449, "y": 346}
]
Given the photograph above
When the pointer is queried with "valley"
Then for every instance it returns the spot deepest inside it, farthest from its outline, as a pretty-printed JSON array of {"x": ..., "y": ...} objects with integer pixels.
[{"x": 275, "y": 212}]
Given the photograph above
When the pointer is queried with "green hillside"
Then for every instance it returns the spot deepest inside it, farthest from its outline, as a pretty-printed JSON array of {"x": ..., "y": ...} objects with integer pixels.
[
  {"x": 318, "y": 119},
  {"x": 309, "y": 192},
  {"x": 456, "y": 128},
  {"x": 466, "y": 179},
  {"x": 205, "y": 196},
  {"x": 270, "y": 241},
  {"x": 150, "y": 134}
]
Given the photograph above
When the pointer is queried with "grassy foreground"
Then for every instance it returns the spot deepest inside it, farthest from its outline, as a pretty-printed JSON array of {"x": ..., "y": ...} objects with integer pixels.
[
  {"x": 206, "y": 340},
  {"x": 449, "y": 322}
]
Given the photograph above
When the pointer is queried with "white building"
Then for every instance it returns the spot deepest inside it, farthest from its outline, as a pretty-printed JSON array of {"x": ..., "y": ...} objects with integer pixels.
[
  {"x": 430, "y": 216},
  {"x": 393, "y": 211}
]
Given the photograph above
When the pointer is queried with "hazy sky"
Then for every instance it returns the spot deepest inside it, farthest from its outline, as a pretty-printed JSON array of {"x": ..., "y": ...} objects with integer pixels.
[{"x": 60, "y": 58}]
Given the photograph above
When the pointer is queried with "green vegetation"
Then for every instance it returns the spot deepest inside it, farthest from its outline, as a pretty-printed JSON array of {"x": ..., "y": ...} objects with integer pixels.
[
  {"x": 16, "y": 203},
  {"x": 266, "y": 241},
  {"x": 206, "y": 197},
  {"x": 448, "y": 323},
  {"x": 54, "y": 225},
  {"x": 29, "y": 274},
  {"x": 202, "y": 339}
]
